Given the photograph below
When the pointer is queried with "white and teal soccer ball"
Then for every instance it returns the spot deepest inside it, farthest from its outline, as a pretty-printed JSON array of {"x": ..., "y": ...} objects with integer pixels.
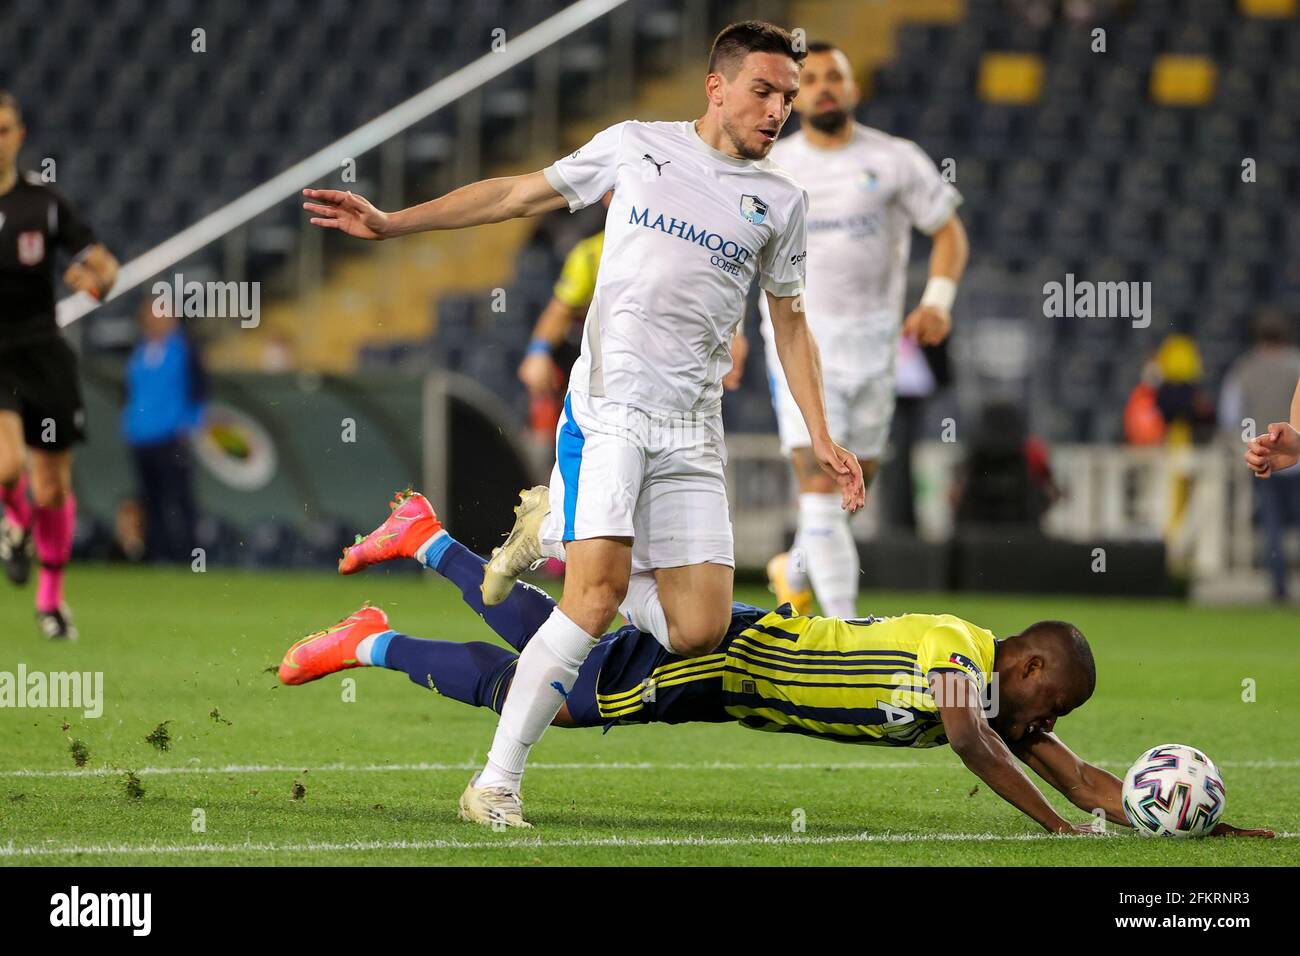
[{"x": 1174, "y": 791}]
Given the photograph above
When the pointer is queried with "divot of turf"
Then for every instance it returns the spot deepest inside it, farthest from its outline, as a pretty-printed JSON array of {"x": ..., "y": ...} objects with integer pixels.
[{"x": 160, "y": 737}]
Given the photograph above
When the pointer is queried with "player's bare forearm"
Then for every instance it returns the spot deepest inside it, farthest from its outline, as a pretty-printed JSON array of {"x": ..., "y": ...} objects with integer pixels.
[
  {"x": 985, "y": 754},
  {"x": 491, "y": 200},
  {"x": 801, "y": 362},
  {"x": 538, "y": 370},
  {"x": 990, "y": 760},
  {"x": 486, "y": 201},
  {"x": 1087, "y": 787},
  {"x": 931, "y": 321},
  {"x": 554, "y": 323},
  {"x": 950, "y": 251}
]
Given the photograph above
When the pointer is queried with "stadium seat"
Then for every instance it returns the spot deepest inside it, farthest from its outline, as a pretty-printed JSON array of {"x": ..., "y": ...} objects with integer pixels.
[
  {"x": 1087, "y": 182},
  {"x": 1183, "y": 79},
  {"x": 1189, "y": 233}
]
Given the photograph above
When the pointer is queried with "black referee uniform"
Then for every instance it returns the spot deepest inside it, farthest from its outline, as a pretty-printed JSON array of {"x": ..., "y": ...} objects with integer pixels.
[{"x": 38, "y": 369}]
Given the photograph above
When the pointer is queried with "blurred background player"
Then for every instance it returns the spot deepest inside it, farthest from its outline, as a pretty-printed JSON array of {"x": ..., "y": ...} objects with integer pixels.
[
  {"x": 1278, "y": 448},
  {"x": 41, "y": 415},
  {"x": 1256, "y": 388},
  {"x": 867, "y": 190},
  {"x": 544, "y": 370}
]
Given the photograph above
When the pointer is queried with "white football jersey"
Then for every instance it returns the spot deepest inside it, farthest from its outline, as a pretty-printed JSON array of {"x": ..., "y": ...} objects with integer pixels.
[
  {"x": 687, "y": 231},
  {"x": 864, "y": 200}
]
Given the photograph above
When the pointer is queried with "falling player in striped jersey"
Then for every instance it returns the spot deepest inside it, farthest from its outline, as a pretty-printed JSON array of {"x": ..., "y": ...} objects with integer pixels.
[
  {"x": 867, "y": 191},
  {"x": 41, "y": 414},
  {"x": 916, "y": 680}
]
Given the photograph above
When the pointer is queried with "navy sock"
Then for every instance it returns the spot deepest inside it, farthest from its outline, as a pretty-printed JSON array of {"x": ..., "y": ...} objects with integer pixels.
[
  {"x": 474, "y": 673},
  {"x": 516, "y": 619}
]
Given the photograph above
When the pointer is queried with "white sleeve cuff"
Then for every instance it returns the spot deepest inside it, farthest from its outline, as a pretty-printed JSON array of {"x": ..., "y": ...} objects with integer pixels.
[
  {"x": 559, "y": 184},
  {"x": 781, "y": 289}
]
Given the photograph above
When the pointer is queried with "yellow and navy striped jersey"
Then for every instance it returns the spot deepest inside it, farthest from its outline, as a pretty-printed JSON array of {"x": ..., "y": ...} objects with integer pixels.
[
  {"x": 577, "y": 282},
  {"x": 854, "y": 681}
]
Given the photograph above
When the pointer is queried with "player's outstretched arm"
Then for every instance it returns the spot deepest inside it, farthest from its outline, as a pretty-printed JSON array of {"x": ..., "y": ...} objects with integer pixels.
[
  {"x": 1087, "y": 787},
  {"x": 489, "y": 200},
  {"x": 985, "y": 755},
  {"x": 801, "y": 362}
]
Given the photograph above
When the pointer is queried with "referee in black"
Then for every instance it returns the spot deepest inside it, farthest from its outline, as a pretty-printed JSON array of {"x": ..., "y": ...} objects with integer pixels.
[{"x": 41, "y": 413}]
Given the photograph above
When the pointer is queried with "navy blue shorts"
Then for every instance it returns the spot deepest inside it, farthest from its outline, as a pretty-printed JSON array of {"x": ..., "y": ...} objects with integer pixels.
[{"x": 629, "y": 678}]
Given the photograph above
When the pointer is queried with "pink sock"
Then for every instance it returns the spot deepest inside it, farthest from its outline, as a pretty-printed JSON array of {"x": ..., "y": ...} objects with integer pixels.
[
  {"x": 53, "y": 532},
  {"x": 18, "y": 509}
]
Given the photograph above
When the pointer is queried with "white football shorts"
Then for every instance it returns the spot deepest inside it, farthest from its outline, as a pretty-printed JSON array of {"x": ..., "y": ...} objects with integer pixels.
[
  {"x": 657, "y": 478},
  {"x": 857, "y": 414}
]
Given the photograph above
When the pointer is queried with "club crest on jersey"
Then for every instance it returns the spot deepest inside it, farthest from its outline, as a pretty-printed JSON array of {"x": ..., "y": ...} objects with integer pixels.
[
  {"x": 753, "y": 209},
  {"x": 31, "y": 247},
  {"x": 868, "y": 180}
]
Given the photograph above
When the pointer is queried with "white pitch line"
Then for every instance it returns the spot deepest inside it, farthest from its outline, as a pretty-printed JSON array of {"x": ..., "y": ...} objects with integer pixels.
[
  {"x": 11, "y": 851},
  {"x": 629, "y": 765}
]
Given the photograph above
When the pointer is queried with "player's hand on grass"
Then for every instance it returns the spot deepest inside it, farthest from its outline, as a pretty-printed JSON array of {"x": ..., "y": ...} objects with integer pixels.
[
  {"x": 845, "y": 468},
  {"x": 346, "y": 212},
  {"x": 1224, "y": 830},
  {"x": 1274, "y": 450},
  {"x": 927, "y": 325},
  {"x": 1091, "y": 828},
  {"x": 739, "y": 353},
  {"x": 540, "y": 375}
]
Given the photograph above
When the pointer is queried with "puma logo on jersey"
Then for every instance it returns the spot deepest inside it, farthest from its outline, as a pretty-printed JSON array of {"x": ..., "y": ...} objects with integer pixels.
[{"x": 659, "y": 167}]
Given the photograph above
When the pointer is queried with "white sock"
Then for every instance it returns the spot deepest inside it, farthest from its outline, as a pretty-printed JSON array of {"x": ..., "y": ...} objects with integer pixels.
[
  {"x": 549, "y": 536},
  {"x": 423, "y": 549},
  {"x": 363, "y": 650},
  {"x": 830, "y": 553},
  {"x": 642, "y": 607},
  {"x": 551, "y": 657}
]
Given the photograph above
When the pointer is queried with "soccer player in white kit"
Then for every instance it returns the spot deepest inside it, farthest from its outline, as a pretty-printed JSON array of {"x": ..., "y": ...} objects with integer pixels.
[
  {"x": 867, "y": 190},
  {"x": 637, "y": 502}
]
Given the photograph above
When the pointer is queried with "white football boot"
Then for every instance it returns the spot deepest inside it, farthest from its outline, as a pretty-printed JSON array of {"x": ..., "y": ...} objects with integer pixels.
[
  {"x": 496, "y": 807},
  {"x": 522, "y": 549}
]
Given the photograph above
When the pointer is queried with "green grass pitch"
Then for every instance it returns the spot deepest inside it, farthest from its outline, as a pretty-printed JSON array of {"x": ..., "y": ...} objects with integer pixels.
[{"x": 257, "y": 773}]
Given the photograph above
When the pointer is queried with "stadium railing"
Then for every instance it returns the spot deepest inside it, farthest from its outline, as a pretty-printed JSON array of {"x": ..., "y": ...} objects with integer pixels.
[{"x": 380, "y": 131}]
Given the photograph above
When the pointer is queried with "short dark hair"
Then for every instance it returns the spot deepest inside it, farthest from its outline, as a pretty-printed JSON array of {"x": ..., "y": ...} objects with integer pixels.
[
  {"x": 1075, "y": 647},
  {"x": 738, "y": 40},
  {"x": 11, "y": 101}
]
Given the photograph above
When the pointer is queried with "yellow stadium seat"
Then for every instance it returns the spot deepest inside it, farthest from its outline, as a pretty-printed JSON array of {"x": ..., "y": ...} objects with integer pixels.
[
  {"x": 1267, "y": 8},
  {"x": 1010, "y": 78},
  {"x": 1180, "y": 80}
]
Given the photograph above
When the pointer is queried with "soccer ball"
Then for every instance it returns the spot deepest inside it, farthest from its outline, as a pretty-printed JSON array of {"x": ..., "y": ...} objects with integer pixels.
[{"x": 1173, "y": 791}]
